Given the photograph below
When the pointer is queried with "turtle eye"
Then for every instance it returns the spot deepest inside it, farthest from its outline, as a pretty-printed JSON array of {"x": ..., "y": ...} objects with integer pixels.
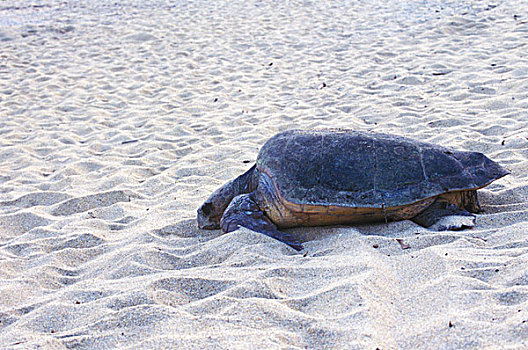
[{"x": 207, "y": 208}]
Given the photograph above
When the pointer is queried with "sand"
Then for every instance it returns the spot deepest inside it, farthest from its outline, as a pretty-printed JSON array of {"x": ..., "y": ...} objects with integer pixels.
[{"x": 119, "y": 118}]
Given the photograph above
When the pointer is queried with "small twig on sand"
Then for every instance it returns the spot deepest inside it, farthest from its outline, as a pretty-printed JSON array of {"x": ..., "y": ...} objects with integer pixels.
[{"x": 402, "y": 243}]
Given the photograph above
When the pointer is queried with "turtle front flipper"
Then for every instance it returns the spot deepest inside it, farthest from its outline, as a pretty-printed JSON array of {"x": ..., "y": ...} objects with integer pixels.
[
  {"x": 244, "y": 211},
  {"x": 442, "y": 216}
]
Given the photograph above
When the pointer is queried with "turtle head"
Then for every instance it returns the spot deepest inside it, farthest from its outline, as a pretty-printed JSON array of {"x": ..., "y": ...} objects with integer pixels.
[
  {"x": 210, "y": 213},
  {"x": 209, "y": 216}
]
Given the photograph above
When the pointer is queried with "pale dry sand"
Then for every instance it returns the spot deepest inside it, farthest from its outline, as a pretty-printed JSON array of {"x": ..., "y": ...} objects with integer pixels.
[{"x": 117, "y": 119}]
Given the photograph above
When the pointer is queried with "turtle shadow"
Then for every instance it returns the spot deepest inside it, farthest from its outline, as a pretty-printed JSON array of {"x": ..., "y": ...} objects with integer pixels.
[
  {"x": 306, "y": 234},
  {"x": 188, "y": 228},
  {"x": 388, "y": 229}
]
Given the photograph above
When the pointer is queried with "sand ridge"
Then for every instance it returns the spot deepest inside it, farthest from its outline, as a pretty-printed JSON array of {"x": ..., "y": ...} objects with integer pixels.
[{"x": 117, "y": 119}]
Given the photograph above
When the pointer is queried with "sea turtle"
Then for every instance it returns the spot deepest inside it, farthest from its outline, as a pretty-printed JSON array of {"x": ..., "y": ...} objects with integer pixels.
[{"x": 327, "y": 177}]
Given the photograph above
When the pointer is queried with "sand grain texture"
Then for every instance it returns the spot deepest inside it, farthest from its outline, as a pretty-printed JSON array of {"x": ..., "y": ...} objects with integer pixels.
[{"x": 117, "y": 119}]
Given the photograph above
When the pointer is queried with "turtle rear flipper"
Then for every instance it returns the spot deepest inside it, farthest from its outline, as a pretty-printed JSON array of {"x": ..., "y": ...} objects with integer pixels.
[
  {"x": 442, "y": 216},
  {"x": 244, "y": 211}
]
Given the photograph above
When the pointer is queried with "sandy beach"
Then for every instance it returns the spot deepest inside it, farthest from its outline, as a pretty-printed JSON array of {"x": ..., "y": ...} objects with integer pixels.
[{"x": 119, "y": 118}]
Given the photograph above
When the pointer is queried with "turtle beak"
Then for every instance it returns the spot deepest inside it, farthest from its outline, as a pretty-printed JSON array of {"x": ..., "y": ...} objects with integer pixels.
[{"x": 205, "y": 218}]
